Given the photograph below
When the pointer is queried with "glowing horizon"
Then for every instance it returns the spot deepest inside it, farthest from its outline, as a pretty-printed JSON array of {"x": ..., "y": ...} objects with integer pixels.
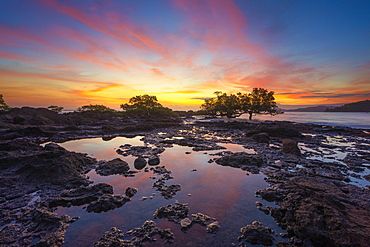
[{"x": 73, "y": 53}]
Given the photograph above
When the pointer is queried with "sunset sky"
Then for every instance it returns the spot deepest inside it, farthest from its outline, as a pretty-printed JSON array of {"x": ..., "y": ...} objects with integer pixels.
[{"x": 76, "y": 52}]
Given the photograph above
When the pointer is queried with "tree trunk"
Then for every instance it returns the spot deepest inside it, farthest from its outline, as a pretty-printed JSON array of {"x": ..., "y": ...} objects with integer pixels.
[{"x": 250, "y": 115}]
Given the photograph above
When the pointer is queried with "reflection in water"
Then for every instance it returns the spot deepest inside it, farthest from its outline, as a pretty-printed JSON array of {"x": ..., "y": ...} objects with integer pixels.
[{"x": 225, "y": 193}]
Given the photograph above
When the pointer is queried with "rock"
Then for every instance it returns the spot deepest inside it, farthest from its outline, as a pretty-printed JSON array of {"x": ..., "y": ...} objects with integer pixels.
[
  {"x": 153, "y": 160},
  {"x": 112, "y": 238},
  {"x": 261, "y": 137},
  {"x": 115, "y": 166},
  {"x": 290, "y": 147},
  {"x": 323, "y": 212},
  {"x": 130, "y": 191},
  {"x": 256, "y": 234},
  {"x": 200, "y": 218},
  {"x": 185, "y": 222},
  {"x": 245, "y": 161},
  {"x": 172, "y": 212},
  {"x": 282, "y": 130},
  {"x": 139, "y": 163},
  {"x": 147, "y": 232},
  {"x": 213, "y": 227},
  {"x": 107, "y": 203},
  {"x": 81, "y": 195}
]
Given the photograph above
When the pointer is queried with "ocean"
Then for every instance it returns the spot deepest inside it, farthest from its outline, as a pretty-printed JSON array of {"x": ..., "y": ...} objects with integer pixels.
[{"x": 358, "y": 120}]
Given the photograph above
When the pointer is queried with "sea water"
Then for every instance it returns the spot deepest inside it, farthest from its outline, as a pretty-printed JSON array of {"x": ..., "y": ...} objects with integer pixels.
[{"x": 359, "y": 120}]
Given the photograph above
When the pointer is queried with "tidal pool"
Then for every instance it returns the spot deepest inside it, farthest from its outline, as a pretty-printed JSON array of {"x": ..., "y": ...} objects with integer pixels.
[{"x": 224, "y": 193}]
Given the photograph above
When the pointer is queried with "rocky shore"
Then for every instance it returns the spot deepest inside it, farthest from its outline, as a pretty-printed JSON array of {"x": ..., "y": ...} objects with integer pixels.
[{"x": 311, "y": 171}]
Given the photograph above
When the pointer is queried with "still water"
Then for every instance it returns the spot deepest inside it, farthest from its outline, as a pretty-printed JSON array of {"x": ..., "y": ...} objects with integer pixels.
[
  {"x": 359, "y": 120},
  {"x": 224, "y": 193}
]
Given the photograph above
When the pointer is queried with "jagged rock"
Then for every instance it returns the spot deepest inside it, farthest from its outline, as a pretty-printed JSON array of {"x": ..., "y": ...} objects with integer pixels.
[
  {"x": 201, "y": 218},
  {"x": 245, "y": 161},
  {"x": 81, "y": 195},
  {"x": 107, "y": 202},
  {"x": 113, "y": 238},
  {"x": 130, "y": 191},
  {"x": 185, "y": 222},
  {"x": 213, "y": 227},
  {"x": 115, "y": 166},
  {"x": 290, "y": 147},
  {"x": 257, "y": 234},
  {"x": 172, "y": 212},
  {"x": 147, "y": 233}
]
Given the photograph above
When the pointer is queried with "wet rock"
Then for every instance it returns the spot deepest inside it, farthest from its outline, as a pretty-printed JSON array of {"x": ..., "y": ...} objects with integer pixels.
[
  {"x": 201, "y": 219},
  {"x": 113, "y": 237},
  {"x": 283, "y": 244},
  {"x": 139, "y": 163},
  {"x": 323, "y": 212},
  {"x": 245, "y": 161},
  {"x": 172, "y": 212},
  {"x": 261, "y": 137},
  {"x": 185, "y": 222},
  {"x": 257, "y": 234},
  {"x": 213, "y": 227},
  {"x": 147, "y": 232},
  {"x": 139, "y": 151},
  {"x": 81, "y": 196},
  {"x": 290, "y": 147},
  {"x": 40, "y": 224},
  {"x": 282, "y": 130},
  {"x": 153, "y": 160},
  {"x": 107, "y": 202},
  {"x": 115, "y": 166},
  {"x": 130, "y": 191}
]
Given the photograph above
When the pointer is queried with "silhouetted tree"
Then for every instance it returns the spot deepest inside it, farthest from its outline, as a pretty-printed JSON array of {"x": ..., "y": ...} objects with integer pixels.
[
  {"x": 56, "y": 108},
  {"x": 100, "y": 108},
  {"x": 259, "y": 101},
  {"x": 145, "y": 105},
  {"x": 3, "y": 105}
]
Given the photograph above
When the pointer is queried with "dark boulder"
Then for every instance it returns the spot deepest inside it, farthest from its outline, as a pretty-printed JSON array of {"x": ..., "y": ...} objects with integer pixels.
[
  {"x": 139, "y": 163},
  {"x": 290, "y": 147},
  {"x": 154, "y": 160},
  {"x": 261, "y": 137},
  {"x": 130, "y": 191},
  {"x": 115, "y": 166},
  {"x": 107, "y": 203},
  {"x": 257, "y": 234}
]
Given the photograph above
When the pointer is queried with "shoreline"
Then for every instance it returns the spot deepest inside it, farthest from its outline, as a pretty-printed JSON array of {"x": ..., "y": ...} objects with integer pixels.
[{"x": 33, "y": 176}]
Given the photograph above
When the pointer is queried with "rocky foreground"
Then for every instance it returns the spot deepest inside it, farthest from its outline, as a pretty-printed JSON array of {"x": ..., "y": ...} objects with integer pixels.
[{"x": 318, "y": 203}]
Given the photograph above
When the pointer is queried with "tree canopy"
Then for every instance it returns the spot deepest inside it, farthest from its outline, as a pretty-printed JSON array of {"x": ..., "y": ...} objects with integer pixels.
[
  {"x": 56, "y": 108},
  {"x": 259, "y": 101},
  {"x": 100, "y": 108},
  {"x": 145, "y": 105},
  {"x": 3, "y": 105}
]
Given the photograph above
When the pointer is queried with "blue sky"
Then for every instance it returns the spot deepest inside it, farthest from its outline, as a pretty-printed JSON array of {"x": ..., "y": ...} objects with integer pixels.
[{"x": 72, "y": 53}]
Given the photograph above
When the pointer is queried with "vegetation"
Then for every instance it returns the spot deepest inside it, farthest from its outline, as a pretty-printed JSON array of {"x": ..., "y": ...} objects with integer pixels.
[
  {"x": 55, "y": 108},
  {"x": 361, "y": 106},
  {"x": 145, "y": 105},
  {"x": 259, "y": 101},
  {"x": 3, "y": 105},
  {"x": 99, "y": 108}
]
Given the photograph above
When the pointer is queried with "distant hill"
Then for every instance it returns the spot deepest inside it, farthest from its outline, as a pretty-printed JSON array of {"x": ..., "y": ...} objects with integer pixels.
[
  {"x": 361, "y": 106},
  {"x": 320, "y": 108}
]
